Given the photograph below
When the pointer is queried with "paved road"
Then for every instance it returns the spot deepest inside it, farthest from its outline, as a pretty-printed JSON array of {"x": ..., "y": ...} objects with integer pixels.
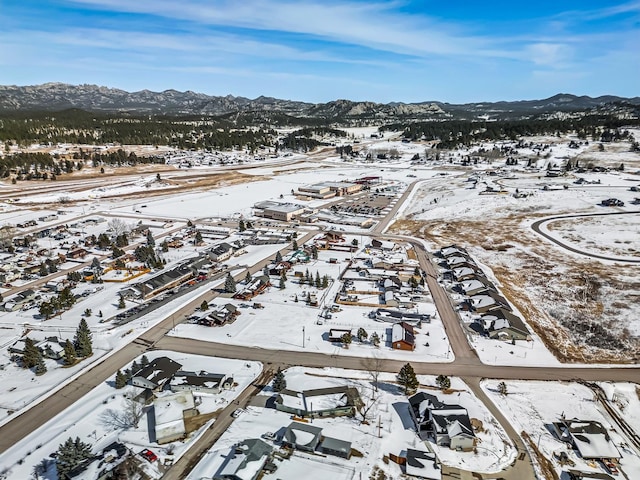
[
  {"x": 536, "y": 228},
  {"x": 195, "y": 453}
]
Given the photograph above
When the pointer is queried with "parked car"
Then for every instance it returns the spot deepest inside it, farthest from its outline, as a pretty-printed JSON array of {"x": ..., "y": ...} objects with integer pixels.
[
  {"x": 237, "y": 412},
  {"x": 611, "y": 467},
  {"x": 612, "y": 202},
  {"x": 149, "y": 455}
]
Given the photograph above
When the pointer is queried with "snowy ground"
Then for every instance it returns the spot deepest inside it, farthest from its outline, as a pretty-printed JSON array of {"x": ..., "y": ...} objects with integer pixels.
[
  {"x": 87, "y": 419},
  {"x": 283, "y": 321},
  {"x": 531, "y": 407},
  {"x": 394, "y": 435}
]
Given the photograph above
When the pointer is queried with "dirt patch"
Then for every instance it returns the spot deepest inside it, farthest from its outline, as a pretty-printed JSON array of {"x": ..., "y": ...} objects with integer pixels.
[{"x": 543, "y": 462}]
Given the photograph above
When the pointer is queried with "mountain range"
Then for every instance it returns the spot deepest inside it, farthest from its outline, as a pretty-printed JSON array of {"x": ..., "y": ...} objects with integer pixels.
[{"x": 61, "y": 96}]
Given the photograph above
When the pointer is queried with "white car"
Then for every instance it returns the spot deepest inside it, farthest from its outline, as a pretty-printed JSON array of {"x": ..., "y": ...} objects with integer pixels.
[{"x": 237, "y": 412}]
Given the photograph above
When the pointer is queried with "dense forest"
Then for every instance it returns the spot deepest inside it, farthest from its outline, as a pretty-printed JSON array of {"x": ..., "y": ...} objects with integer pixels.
[
  {"x": 454, "y": 133},
  {"x": 303, "y": 140},
  {"x": 85, "y": 128}
]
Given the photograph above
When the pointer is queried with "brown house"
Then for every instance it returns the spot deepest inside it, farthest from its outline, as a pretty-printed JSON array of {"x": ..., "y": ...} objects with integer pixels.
[{"x": 403, "y": 336}]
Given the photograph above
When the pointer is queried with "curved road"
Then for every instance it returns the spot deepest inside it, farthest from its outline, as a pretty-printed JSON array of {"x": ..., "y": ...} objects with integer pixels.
[{"x": 536, "y": 228}]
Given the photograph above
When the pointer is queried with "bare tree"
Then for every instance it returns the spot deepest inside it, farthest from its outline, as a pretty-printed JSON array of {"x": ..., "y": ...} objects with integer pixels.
[
  {"x": 128, "y": 417},
  {"x": 118, "y": 226},
  {"x": 373, "y": 366},
  {"x": 368, "y": 400}
]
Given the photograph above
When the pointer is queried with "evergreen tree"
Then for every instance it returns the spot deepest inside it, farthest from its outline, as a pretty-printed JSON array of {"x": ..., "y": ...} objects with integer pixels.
[
  {"x": 502, "y": 388},
  {"x": 71, "y": 453},
  {"x": 144, "y": 361},
  {"x": 229, "y": 284},
  {"x": 278, "y": 257},
  {"x": 82, "y": 340},
  {"x": 198, "y": 238},
  {"x": 241, "y": 226},
  {"x": 407, "y": 378},
  {"x": 41, "y": 368},
  {"x": 135, "y": 368},
  {"x": 443, "y": 382},
  {"x": 279, "y": 382},
  {"x": 362, "y": 334},
  {"x": 314, "y": 252},
  {"x": 318, "y": 281},
  {"x": 204, "y": 306},
  {"x": 375, "y": 339},
  {"x": 30, "y": 355},
  {"x": 121, "y": 380},
  {"x": 295, "y": 299},
  {"x": 294, "y": 245},
  {"x": 346, "y": 339},
  {"x": 248, "y": 278},
  {"x": 150, "y": 240},
  {"x": 69, "y": 353},
  {"x": 121, "y": 303},
  {"x": 325, "y": 281},
  {"x": 282, "y": 285}
]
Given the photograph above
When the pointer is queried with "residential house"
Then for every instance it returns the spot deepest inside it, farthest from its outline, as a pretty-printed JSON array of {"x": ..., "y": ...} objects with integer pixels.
[
  {"x": 302, "y": 436},
  {"x": 395, "y": 316},
  {"x": 245, "y": 461},
  {"x": 447, "y": 425},
  {"x": 475, "y": 285},
  {"x": 422, "y": 464},
  {"x": 221, "y": 252},
  {"x": 336, "y": 447},
  {"x": 220, "y": 315},
  {"x": 170, "y": 412},
  {"x": 319, "y": 402},
  {"x": 488, "y": 300},
  {"x": 403, "y": 336},
  {"x": 590, "y": 438},
  {"x": 502, "y": 324},
  {"x": 258, "y": 285},
  {"x": 156, "y": 374},
  {"x": 200, "y": 382}
]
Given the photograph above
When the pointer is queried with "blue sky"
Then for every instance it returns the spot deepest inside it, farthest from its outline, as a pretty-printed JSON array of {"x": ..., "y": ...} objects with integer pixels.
[{"x": 321, "y": 50}]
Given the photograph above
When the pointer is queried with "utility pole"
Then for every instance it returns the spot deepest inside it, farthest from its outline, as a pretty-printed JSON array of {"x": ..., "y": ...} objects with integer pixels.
[
  {"x": 379, "y": 427},
  {"x": 302, "y": 337}
]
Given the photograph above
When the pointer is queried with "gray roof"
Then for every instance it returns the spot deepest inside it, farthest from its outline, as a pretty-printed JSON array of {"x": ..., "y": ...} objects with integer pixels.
[
  {"x": 336, "y": 445},
  {"x": 290, "y": 434}
]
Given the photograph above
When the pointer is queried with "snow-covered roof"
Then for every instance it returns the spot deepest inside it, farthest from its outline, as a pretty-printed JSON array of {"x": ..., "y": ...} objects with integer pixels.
[{"x": 422, "y": 464}]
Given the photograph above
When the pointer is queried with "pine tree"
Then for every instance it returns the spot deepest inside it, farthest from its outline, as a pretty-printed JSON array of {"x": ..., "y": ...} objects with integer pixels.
[
  {"x": 69, "y": 353},
  {"x": 121, "y": 379},
  {"x": 82, "y": 341},
  {"x": 318, "y": 281},
  {"x": 362, "y": 334},
  {"x": 241, "y": 226},
  {"x": 502, "y": 388},
  {"x": 135, "y": 368},
  {"x": 198, "y": 238},
  {"x": 150, "y": 240},
  {"x": 294, "y": 245},
  {"x": 295, "y": 299},
  {"x": 325, "y": 281},
  {"x": 204, "y": 306},
  {"x": 346, "y": 339},
  {"x": 71, "y": 453},
  {"x": 144, "y": 361},
  {"x": 229, "y": 284},
  {"x": 248, "y": 278},
  {"x": 375, "y": 339},
  {"x": 407, "y": 378},
  {"x": 41, "y": 367},
  {"x": 443, "y": 382},
  {"x": 30, "y": 355},
  {"x": 278, "y": 257},
  {"x": 279, "y": 382},
  {"x": 121, "y": 303},
  {"x": 282, "y": 285}
]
